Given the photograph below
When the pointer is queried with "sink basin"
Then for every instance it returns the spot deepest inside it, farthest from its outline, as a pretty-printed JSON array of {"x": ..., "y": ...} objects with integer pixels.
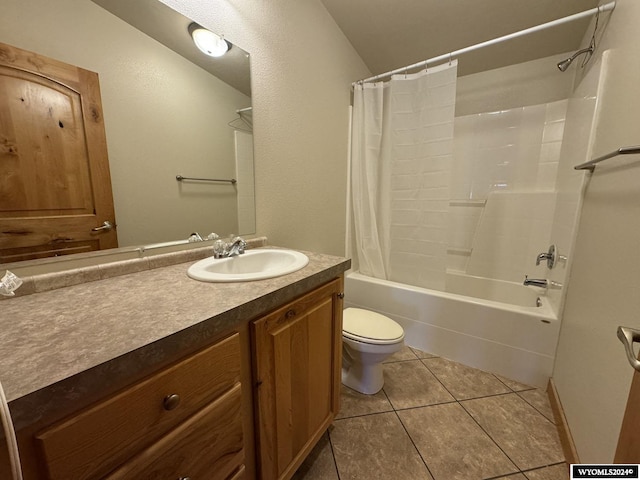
[{"x": 252, "y": 265}]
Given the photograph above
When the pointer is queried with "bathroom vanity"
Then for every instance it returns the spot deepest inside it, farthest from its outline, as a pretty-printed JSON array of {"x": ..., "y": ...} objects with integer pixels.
[{"x": 153, "y": 375}]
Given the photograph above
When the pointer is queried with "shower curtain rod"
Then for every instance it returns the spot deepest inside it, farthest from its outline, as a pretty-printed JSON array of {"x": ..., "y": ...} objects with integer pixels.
[{"x": 602, "y": 8}]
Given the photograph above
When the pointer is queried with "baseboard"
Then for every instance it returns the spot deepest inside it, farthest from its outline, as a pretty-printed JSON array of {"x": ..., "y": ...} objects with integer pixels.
[{"x": 566, "y": 440}]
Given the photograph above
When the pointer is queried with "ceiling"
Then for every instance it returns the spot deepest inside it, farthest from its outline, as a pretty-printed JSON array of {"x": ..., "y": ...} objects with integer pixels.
[{"x": 390, "y": 34}]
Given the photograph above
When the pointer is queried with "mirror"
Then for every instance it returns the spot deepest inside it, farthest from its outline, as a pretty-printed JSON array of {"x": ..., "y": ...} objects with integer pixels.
[{"x": 168, "y": 110}]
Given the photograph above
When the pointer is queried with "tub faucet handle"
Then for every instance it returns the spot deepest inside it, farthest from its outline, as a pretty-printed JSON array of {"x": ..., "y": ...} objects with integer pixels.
[{"x": 549, "y": 256}]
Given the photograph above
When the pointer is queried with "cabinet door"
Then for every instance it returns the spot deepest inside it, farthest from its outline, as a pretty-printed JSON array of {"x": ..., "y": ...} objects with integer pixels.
[{"x": 297, "y": 362}]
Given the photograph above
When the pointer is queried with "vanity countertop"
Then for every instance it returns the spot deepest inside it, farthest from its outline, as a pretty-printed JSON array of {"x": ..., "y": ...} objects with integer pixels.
[{"x": 58, "y": 345}]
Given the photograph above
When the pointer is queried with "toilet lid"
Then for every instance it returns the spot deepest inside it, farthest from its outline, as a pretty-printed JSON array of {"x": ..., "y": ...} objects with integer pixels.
[{"x": 370, "y": 327}]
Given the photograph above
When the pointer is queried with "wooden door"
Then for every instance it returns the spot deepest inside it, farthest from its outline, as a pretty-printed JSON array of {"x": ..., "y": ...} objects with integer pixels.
[
  {"x": 55, "y": 185},
  {"x": 297, "y": 361},
  {"x": 628, "y": 450}
]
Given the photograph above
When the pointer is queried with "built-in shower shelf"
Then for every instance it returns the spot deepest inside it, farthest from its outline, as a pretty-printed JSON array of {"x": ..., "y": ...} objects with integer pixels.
[
  {"x": 467, "y": 203},
  {"x": 459, "y": 251},
  {"x": 591, "y": 164}
]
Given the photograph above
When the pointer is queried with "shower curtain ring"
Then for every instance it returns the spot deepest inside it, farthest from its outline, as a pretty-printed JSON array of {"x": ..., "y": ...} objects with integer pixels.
[{"x": 449, "y": 58}]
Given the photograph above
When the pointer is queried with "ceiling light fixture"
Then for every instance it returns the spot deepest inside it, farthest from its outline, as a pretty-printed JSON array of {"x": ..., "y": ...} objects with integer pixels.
[{"x": 208, "y": 42}]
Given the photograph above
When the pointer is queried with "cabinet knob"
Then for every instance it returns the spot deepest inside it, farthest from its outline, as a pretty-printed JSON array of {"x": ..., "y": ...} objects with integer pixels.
[
  {"x": 290, "y": 314},
  {"x": 341, "y": 295},
  {"x": 170, "y": 402},
  {"x": 184, "y": 478}
]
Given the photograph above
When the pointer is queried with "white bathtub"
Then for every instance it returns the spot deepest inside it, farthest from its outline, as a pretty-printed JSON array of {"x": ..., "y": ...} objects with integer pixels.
[{"x": 516, "y": 339}]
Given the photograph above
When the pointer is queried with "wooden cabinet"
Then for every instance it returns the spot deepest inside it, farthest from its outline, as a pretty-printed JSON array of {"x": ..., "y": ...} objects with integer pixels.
[
  {"x": 198, "y": 418},
  {"x": 184, "y": 421},
  {"x": 297, "y": 369}
]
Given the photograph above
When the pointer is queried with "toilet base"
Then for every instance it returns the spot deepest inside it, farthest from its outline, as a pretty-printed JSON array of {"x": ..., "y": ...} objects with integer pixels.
[{"x": 367, "y": 379}]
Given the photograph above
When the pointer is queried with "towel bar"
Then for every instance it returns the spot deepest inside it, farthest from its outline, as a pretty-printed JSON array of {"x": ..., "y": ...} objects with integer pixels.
[
  {"x": 180, "y": 178},
  {"x": 591, "y": 164}
]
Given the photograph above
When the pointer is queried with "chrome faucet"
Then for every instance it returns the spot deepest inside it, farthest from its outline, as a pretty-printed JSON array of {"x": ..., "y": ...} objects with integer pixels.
[
  {"x": 549, "y": 256},
  {"x": 235, "y": 247},
  {"x": 535, "y": 282}
]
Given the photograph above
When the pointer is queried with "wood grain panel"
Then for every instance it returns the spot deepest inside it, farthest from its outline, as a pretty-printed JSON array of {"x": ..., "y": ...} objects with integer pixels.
[
  {"x": 55, "y": 183},
  {"x": 628, "y": 449},
  {"x": 296, "y": 359},
  {"x": 47, "y": 171},
  {"x": 93, "y": 442},
  {"x": 566, "y": 440},
  {"x": 207, "y": 445}
]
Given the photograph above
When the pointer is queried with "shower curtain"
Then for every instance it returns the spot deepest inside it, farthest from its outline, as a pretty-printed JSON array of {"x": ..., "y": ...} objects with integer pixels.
[{"x": 401, "y": 155}]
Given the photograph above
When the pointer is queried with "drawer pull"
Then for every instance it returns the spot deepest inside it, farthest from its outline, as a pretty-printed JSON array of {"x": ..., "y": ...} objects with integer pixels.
[
  {"x": 171, "y": 402},
  {"x": 290, "y": 314},
  {"x": 184, "y": 478}
]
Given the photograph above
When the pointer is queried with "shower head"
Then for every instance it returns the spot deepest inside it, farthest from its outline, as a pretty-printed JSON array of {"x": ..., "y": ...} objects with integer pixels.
[{"x": 564, "y": 64}]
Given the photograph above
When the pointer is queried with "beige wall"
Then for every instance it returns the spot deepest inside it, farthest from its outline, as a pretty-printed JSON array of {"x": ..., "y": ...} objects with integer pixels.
[
  {"x": 528, "y": 83},
  {"x": 157, "y": 122},
  {"x": 302, "y": 67},
  {"x": 591, "y": 373}
]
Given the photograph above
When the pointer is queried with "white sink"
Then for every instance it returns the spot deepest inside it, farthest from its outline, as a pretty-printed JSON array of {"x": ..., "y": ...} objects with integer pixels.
[{"x": 252, "y": 265}]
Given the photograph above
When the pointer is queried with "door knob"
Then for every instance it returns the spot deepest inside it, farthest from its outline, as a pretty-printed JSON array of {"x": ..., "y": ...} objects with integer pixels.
[
  {"x": 628, "y": 336},
  {"x": 105, "y": 227}
]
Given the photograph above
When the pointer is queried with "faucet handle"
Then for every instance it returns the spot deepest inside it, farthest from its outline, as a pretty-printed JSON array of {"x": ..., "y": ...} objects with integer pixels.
[
  {"x": 219, "y": 249},
  {"x": 549, "y": 256}
]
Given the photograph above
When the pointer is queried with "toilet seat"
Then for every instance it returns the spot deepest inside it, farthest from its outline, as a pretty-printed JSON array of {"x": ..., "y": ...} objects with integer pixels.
[{"x": 370, "y": 327}]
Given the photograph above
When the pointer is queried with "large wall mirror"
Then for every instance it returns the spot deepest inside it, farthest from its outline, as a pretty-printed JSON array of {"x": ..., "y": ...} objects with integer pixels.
[{"x": 168, "y": 110}]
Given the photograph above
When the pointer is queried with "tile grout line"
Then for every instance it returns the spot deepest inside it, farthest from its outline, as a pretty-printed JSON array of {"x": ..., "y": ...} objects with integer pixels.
[
  {"x": 333, "y": 455},
  {"x": 524, "y": 472},
  {"x": 455, "y": 400},
  {"x": 472, "y": 418},
  {"x": 460, "y": 403},
  {"x": 534, "y": 407},
  {"x": 528, "y": 389},
  {"x": 518, "y": 392},
  {"x": 471, "y": 398},
  {"x": 519, "y": 470},
  {"x": 409, "y": 436}
]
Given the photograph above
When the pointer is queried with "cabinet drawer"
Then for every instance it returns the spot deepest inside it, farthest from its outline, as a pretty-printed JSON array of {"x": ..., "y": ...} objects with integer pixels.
[
  {"x": 98, "y": 439},
  {"x": 206, "y": 446}
]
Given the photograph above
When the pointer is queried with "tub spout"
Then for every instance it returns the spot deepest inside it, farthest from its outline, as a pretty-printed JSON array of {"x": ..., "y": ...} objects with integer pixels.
[{"x": 535, "y": 282}]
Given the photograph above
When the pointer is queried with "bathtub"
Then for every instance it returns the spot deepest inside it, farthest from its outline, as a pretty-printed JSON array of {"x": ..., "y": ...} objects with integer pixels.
[{"x": 504, "y": 332}]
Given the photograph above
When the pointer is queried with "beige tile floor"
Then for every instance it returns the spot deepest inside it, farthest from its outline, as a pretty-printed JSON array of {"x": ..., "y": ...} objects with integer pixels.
[{"x": 439, "y": 420}]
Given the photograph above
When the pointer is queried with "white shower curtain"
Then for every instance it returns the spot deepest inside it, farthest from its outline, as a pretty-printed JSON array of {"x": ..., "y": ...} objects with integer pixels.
[{"x": 402, "y": 148}]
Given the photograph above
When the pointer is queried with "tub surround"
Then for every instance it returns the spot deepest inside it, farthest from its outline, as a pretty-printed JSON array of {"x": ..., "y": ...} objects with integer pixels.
[{"x": 61, "y": 344}]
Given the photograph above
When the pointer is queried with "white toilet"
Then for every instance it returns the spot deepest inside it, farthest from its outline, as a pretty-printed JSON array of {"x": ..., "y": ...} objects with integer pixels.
[{"x": 368, "y": 338}]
